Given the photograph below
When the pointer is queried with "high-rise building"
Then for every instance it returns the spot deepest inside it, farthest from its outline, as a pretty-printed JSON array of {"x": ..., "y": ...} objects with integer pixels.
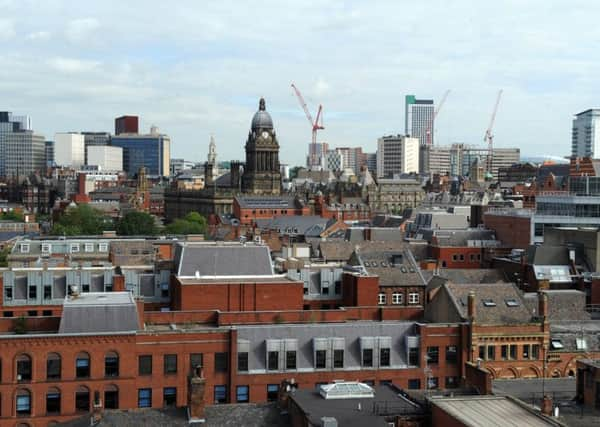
[
  {"x": 333, "y": 161},
  {"x": 354, "y": 158},
  {"x": 262, "y": 174},
  {"x": 22, "y": 152},
  {"x": 126, "y": 124},
  {"x": 316, "y": 154},
  {"x": 457, "y": 159},
  {"x": 179, "y": 165},
  {"x": 585, "y": 140},
  {"x": 95, "y": 139},
  {"x": 396, "y": 155},
  {"x": 69, "y": 149},
  {"x": 418, "y": 123},
  {"x": 49, "y": 151},
  {"x": 107, "y": 158},
  {"x": 372, "y": 162},
  {"x": 152, "y": 151}
]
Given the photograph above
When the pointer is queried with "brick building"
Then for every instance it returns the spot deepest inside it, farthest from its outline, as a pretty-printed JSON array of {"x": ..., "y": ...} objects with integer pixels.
[{"x": 250, "y": 208}]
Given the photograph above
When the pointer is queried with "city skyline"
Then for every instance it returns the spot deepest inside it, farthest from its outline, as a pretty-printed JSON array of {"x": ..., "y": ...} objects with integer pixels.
[{"x": 76, "y": 67}]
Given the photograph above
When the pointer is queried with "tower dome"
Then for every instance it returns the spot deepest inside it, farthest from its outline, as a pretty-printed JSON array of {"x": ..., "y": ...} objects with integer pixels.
[{"x": 262, "y": 119}]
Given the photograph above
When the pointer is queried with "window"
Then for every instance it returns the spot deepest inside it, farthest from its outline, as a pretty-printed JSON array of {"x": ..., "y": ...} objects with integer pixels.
[
  {"x": 242, "y": 393},
  {"x": 46, "y": 248},
  {"x": 511, "y": 302},
  {"x": 8, "y": 294},
  {"x": 272, "y": 392},
  {"x": 273, "y": 360},
  {"x": 513, "y": 352},
  {"x": 367, "y": 357},
  {"x": 338, "y": 287},
  {"x": 491, "y": 352},
  {"x": 7, "y": 314},
  {"x": 111, "y": 364},
  {"x": 414, "y": 384},
  {"x": 32, "y": 294},
  {"x": 451, "y": 354},
  {"x": 526, "y": 351},
  {"x": 82, "y": 365},
  {"x": 487, "y": 302},
  {"x": 581, "y": 343},
  {"x": 504, "y": 352},
  {"x": 451, "y": 382},
  {"x": 221, "y": 363},
  {"x": 170, "y": 364},
  {"x": 23, "y": 368},
  {"x": 74, "y": 247},
  {"x": 53, "y": 363},
  {"x": 290, "y": 360},
  {"x": 88, "y": 247},
  {"x": 24, "y": 248},
  {"x": 243, "y": 362},
  {"x": 397, "y": 298},
  {"x": 220, "y": 394},
  {"x": 111, "y": 397},
  {"x": 195, "y": 362},
  {"x": 462, "y": 257},
  {"x": 53, "y": 401},
  {"x": 384, "y": 357},
  {"x": 482, "y": 352},
  {"x": 46, "y": 313},
  {"x": 145, "y": 398},
  {"x": 413, "y": 356},
  {"x": 82, "y": 399},
  {"x": 169, "y": 396},
  {"x": 433, "y": 383},
  {"x": 556, "y": 345},
  {"x": 145, "y": 365},
  {"x": 433, "y": 355},
  {"x": 47, "y": 292},
  {"x": 381, "y": 299},
  {"x": 413, "y": 298},
  {"x": 320, "y": 359},
  {"x": 32, "y": 313},
  {"x": 535, "y": 351},
  {"x": 23, "y": 402},
  {"x": 103, "y": 247},
  {"x": 338, "y": 359}
]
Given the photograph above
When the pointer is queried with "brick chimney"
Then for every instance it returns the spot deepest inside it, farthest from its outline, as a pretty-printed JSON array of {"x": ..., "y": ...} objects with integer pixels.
[
  {"x": 196, "y": 391},
  {"x": 542, "y": 305},
  {"x": 547, "y": 406},
  {"x": 472, "y": 311}
]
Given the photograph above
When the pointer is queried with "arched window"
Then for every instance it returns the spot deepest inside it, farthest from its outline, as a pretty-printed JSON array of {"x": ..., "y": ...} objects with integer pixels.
[
  {"x": 23, "y": 368},
  {"x": 53, "y": 401},
  {"x": 82, "y": 365},
  {"x": 111, "y": 364},
  {"x": 111, "y": 397},
  {"x": 82, "y": 399},
  {"x": 23, "y": 402},
  {"x": 53, "y": 366}
]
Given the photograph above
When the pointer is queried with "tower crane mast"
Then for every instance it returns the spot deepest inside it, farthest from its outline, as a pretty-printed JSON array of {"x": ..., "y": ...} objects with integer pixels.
[
  {"x": 435, "y": 113},
  {"x": 489, "y": 136},
  {"x": 316, "y": 124}
]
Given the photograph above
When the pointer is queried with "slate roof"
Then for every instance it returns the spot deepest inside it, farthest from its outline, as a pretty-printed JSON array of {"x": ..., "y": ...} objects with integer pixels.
[
  {"x": 547, "y": 255},
  {"x": 563, "y": 304},
  {"x": 223, "y": 259},
  {"x": 570, "y": 332},
  {"x": 297, "y": 225},
  {"x": 394, "y": 268},
  {"x": 469, "y": 275},
  {"x": 134, "y": 418},
  {"x": 267, "y": 202},
  {"x": 342, "y": 251},
  {"x": 99, "y": 312},
  {"x": 498, "y": 293}
]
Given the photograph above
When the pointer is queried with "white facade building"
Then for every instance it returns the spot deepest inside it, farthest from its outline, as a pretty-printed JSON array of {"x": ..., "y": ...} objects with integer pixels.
[
  {"x": 396, "y": 155},
  {"x": 107, "y": 158},
  {"x": 69, "y": 149},
  {"x": 585, "y": 140},
  {"x": 333, "y": 161}
]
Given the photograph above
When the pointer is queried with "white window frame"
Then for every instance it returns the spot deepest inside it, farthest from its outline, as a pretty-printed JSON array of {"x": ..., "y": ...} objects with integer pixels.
[
  {"x": 46, "y": 248},
  {"x": 381, "y": 298},
  {"x": 74, "y": 248},
  {"x": 88, "y": 247},
  {"x": 103, "y": 247},
  {"x": 24, "y": 248},
  {"x": 397, "y": 298},
  {"x": 413, "y": 298}
]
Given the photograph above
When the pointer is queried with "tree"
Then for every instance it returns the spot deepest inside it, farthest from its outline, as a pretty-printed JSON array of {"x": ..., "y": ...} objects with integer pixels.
[
  {"x": 4, "y": 257},
  {"x": 137, "y": 224},
  {"x": 82, "y": 219},
  {"x": 192, "y": 223},
  {"x": 12, "y": 216}
]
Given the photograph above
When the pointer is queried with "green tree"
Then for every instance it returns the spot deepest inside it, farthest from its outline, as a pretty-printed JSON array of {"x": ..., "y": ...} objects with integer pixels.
[
  {"x": 4, "y": 257},
  {"x": 12, "y": 216},
  {"x": 137, "y": 224},
  {"x": 82, "y": 219},
  {"x": 192, "y": 223}
]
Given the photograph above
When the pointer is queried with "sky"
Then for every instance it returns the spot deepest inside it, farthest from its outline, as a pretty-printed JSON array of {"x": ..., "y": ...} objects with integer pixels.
[{"x": 199, "y": 68}]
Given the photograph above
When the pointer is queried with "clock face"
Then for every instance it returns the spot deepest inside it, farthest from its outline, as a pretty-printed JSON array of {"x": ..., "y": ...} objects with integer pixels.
[{"x": 265, "y": 134}]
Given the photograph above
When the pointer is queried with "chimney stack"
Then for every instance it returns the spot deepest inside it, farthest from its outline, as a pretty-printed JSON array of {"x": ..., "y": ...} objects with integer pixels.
[
  {"x": 542, "y": 305},
  {"x": 471, "y": 306},
  {"x": 196, "y": 391}
]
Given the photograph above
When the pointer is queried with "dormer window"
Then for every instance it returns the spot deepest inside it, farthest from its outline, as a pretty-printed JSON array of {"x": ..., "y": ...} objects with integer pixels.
[
  {"x": 46, "y": 248},
  {"x": 74, "y": 248},
  {"x": 88, "y": 247},
  {"x": 103, "y": 247},
  {"x": 24, "y": 248}
]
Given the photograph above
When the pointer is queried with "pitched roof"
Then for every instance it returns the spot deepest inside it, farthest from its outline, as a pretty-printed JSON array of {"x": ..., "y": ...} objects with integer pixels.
[
  {"x": 210, "y": 259},
  {"x": 342, "y": 251},
  {"x": 267, "y": 202},
  {"x": 471, "y": 275},
  {"x": 394, "y": 267},
  {"x": 298, "y": 225},
  {"x": 496, "y": 303},
  {"x": 547, "y": 255}
]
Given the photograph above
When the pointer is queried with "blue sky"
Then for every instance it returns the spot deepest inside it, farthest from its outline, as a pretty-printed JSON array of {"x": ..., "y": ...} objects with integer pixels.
[{"x": 196, "y": 68}]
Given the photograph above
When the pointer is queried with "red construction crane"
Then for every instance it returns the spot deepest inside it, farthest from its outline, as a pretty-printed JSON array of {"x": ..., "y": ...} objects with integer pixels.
[
  {"x": 489, "y": 137},
  {"x": 316, "y": 125},
  {"x": 435, "y": 113}
]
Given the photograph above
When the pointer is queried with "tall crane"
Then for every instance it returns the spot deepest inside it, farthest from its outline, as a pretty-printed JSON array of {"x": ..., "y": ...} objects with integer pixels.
[
  {"x": 316, "y": 125},
  {"x": 435, "y": 113},
  {"x": 489, "y": 136}
]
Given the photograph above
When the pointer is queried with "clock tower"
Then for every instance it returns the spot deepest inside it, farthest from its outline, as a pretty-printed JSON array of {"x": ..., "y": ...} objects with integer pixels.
[{"x": 261, "y": 173}]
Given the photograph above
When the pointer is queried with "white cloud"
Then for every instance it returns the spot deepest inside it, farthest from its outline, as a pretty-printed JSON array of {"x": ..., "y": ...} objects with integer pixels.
[
  {"x": 72, "y": 65},
  {"x": 38, "y": 36},
  {"x": 80, "y": 30},
  {"x": 7, "y": 29}
]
